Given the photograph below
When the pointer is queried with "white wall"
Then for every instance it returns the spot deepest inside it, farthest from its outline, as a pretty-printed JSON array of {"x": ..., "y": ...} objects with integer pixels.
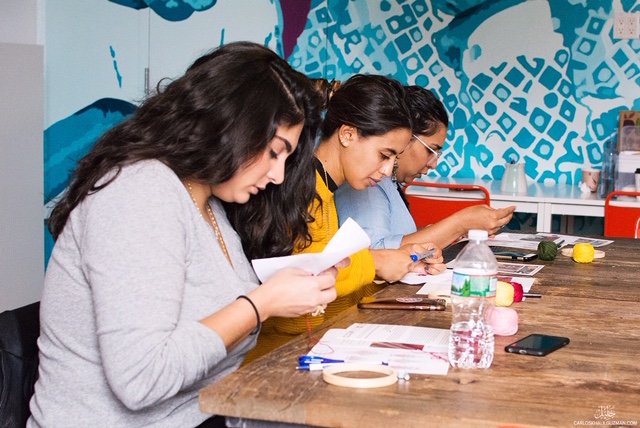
[
  {"x": 20, "y": 21},
  {"x": 21, "y": 153}
]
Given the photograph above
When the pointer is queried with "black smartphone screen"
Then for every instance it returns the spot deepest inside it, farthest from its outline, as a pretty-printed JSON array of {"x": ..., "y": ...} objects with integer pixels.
[{"x": 537, "y": 344}]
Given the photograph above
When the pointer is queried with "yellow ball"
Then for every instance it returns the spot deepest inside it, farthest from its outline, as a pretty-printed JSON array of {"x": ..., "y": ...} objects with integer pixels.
[
  {"x": 504, "y": 294},
  {"x": 583, "y": 252}
]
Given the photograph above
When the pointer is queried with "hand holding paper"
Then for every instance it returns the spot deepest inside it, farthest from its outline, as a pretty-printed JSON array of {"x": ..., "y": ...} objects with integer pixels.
[{"x": 349, "y": 239}]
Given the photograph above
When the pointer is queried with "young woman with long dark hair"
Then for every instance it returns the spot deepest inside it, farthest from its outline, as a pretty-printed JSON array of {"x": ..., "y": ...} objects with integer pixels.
[{"x": 149, "y": 294}]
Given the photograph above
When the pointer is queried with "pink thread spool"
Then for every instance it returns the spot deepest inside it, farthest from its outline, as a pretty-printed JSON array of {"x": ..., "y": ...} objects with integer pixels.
[{"x": 504, "y": 321}]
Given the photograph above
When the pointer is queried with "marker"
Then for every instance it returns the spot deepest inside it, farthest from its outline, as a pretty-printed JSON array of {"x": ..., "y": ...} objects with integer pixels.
[{"x": 423, "y": 256}]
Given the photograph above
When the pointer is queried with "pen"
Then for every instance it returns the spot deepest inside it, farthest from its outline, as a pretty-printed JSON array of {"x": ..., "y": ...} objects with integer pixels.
[
  {"x": 424, "y": 255},
  {"x": 316, "y": 359},
  {"x": 531, "y": 295}
]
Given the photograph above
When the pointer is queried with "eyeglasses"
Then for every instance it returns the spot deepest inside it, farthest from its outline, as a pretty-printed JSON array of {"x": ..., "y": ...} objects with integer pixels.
[{"x": 437, "y": 153}]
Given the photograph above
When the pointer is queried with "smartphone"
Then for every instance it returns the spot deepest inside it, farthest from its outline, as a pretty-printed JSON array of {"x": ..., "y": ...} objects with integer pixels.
[
  {"x": 537, "y": 344},
  {"x": 513, "y": 254},
  {"x": 407, "y": 303},
  {"x": 451, "y": 252}
]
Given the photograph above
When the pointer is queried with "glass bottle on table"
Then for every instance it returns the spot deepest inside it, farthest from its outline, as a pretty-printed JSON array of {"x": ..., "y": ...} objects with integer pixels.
[{"x": 473, "y": 291}]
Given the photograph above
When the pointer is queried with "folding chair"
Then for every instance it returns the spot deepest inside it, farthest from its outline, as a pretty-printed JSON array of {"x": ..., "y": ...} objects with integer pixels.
[
  {"x": 428, "y": 207},
  {"x": 622, "y": 218}
]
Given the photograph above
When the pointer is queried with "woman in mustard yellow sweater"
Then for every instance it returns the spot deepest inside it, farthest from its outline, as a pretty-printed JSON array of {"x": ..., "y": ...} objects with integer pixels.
[{"x": 366, "y": 126}]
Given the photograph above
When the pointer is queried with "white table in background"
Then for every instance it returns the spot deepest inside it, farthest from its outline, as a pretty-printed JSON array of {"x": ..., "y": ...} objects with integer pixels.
[{"x": 541, "y": 199}]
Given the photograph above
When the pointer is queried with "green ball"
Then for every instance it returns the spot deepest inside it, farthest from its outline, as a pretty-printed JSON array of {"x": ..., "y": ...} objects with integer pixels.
[{"x": 547, "y": 250}]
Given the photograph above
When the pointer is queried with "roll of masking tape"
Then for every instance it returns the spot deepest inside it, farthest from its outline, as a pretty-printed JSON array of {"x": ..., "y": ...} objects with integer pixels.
[
  {"x": 332, "y": 375},
  {"x": 568, "y": 252}
]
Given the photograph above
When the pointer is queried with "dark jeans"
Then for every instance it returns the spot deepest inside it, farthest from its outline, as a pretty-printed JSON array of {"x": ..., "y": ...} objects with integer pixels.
[{"x": 213, "y": 422}]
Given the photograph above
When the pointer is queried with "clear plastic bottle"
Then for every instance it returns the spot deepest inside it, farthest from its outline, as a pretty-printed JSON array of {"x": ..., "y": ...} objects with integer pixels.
[{"x": 473, "y": 291}]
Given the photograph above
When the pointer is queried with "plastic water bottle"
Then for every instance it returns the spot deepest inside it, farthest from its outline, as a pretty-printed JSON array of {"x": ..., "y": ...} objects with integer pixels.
[{"x": 473, "y": 291}]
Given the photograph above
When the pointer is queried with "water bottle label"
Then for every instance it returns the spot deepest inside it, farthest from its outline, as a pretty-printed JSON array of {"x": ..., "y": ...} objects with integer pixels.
[{"x": 466, "y": 285}]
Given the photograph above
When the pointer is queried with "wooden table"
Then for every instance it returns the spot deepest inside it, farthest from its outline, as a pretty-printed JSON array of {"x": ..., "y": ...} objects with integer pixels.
[{"x": 596, "y": 305}]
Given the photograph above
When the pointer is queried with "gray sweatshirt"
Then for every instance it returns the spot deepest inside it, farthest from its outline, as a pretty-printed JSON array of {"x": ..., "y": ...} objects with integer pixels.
[{"x": 134, "y": 270}]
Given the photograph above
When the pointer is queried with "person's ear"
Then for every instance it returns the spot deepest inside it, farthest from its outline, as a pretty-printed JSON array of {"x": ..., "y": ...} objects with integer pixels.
[{"x": 346, "y": 135}]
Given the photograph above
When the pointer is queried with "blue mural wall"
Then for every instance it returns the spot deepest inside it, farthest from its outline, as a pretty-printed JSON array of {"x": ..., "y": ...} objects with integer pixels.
[{"x": 539, "y": 82}]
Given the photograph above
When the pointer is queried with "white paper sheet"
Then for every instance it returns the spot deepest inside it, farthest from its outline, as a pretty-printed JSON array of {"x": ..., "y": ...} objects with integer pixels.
[
  {"x": 349, "y": 239},
  {"x": 518, "y": 269},
  {"x": 422, "y": 278},
  {"x": 412, "y": 349},
  {"x": 531, "y": 241}
]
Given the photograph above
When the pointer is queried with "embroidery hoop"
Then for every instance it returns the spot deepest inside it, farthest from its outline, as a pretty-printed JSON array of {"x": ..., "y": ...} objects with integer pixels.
[
  {"x": 332, "y": 376},
  {"x": 568, "y": 252}
]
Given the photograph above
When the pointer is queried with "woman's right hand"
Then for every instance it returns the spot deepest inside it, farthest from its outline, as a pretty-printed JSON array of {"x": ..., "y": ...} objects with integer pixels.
[
  {"x": 292, "y": 292},
  {"x": 392, "y": 264},
  {"x": 484, "y": 217}
]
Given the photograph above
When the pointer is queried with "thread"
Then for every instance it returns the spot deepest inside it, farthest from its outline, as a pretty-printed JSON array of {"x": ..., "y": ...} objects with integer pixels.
[
  {"x": 504, "y": 294},
  {"x": 518, "y": 291},
  {"x": 504, "y": 321},
  {"x": 583, "y": 252},
  {"x": 547, "y": 250}
]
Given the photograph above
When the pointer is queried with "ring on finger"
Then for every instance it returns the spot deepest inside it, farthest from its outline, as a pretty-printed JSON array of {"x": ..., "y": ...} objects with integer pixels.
[{"x": 319, "y": 311}]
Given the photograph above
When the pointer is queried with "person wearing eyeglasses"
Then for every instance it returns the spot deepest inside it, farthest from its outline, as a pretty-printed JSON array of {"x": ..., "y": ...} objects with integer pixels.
[{"x": 383, "y": 212}]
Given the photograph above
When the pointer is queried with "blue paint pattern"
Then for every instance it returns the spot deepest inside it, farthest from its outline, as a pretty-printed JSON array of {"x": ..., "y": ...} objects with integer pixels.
[
  {"x": 426, "y": 43},
  {"x": 115, "y": 66},
  {"x": 171, "y": 10}
]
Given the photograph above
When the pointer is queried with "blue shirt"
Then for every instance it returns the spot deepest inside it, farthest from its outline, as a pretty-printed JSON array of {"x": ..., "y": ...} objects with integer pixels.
[{"x": 379, "y": 210}]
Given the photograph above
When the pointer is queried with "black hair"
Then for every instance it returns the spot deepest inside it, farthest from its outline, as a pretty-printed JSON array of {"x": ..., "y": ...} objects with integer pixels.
[
  {"x": 220, "y": 114},
  {"x": 427, "y": 111},
  {"x": 373, "y": 104}
]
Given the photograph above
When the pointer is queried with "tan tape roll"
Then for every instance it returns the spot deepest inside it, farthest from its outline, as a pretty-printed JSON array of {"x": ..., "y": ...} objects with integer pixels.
[{"x": 331, "y": 375}]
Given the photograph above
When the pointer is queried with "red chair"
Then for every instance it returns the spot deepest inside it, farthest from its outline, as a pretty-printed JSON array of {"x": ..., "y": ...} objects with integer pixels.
[
  {"x": 622, "y": 218},
  {"x": 430, "y": 208}
]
